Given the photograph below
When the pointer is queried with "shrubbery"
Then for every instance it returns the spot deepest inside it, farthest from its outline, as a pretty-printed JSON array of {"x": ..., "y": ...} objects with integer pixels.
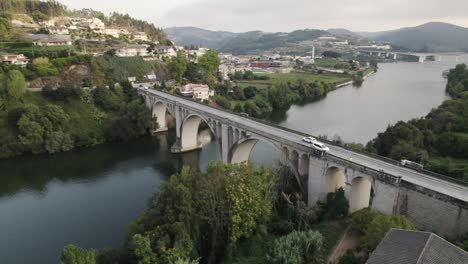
[{"x": 440, "y": 139}]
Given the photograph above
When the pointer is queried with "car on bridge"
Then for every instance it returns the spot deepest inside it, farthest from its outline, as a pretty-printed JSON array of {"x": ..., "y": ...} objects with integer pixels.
[
  {"x": 309, "y": 140},
  {"x": 411, "y": 164},
  {"x": 315, "y": 144},
  {"x": 320, "y": 147}
]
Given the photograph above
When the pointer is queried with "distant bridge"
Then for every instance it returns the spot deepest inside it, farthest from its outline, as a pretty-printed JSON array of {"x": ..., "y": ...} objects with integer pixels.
[
  {"x": 432, "y": 202},
  {"x": 420, "y": 57}
]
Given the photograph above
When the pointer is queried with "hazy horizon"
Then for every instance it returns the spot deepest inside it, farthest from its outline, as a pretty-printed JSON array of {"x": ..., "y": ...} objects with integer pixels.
[{"x": 275, "y": 16}]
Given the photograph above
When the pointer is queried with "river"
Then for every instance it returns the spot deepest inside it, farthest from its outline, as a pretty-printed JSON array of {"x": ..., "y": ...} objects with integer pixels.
[{"x": 88, "y": 196}]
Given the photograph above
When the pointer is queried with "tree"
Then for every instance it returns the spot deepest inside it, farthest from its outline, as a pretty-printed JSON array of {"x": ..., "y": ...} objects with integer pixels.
[
  {"x": 250, "y": 91},
  {"x": 336, "y": 206},
  {"x": 177, "y": 66},
  {"x": 238, "y": 108},
  {"x": 380, "y": 225},
  {"x": 38, "y": 16},
  {"x": 193, "y": 73},
  {"x": 14, "y": 83},
  {"x": 5, "y": 28},
  {"x": 209, "y": 62},
  {"x": 75, "y": 255},
  {"x": 296, "y": 248},
  {"x": 280, "y": 96},
  {"x": 223, "y": 102},
  {"x": 198, "y": 214},
  {"x": 331, "y": 54}
]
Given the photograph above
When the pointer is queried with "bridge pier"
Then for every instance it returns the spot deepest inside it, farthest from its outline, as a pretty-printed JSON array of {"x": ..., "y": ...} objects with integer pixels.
[{"x": 317, "y": 186}]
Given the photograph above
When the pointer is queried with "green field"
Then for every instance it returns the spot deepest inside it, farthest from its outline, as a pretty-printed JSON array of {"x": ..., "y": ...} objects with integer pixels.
[
  {"x": 332, "y": 64},
  {"x": 330, "y": 78}
]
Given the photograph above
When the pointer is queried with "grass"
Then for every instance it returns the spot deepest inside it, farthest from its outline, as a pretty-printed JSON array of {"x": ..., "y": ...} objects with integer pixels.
[
  {"x": 330, "y": 63},
  {"x": 330, "y": 78},
  {"x": 255, "y": 250}
]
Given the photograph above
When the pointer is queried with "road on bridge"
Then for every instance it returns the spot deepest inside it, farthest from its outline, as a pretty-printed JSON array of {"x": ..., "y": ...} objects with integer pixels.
[{"x": 415, "y": 177}]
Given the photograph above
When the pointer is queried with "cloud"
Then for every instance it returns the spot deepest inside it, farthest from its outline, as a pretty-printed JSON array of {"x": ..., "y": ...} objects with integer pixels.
[
  {"x": 286, "y": 15},
  {"x": 280, "y": 15}
]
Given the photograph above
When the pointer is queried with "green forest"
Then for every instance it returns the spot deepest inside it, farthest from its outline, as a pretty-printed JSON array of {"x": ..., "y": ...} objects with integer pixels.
[
  {"x": 439, "y": 140},
  {"x": 240, "y": 213},
  {"x": 61, "y": 118}
]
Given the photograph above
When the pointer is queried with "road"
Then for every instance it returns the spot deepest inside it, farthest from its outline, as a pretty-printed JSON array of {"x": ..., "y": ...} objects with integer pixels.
[{"x": 432, "y": 183}]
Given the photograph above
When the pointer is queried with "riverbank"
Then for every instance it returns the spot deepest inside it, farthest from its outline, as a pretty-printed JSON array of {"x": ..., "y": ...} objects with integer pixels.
[
  {"x": 267, "y": 93},
  {"x": 59, "y": 120}
]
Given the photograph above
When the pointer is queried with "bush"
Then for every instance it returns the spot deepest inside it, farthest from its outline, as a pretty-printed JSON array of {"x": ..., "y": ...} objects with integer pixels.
[
  {"x": 351, "y": 258},
  {"x": 337, "y": 205},
  {"x": 223, "y": 102},
  {"x": 61, "y": 94},
  {"x": 296, "y": 248},
  {"x": 374, "y": 226}
]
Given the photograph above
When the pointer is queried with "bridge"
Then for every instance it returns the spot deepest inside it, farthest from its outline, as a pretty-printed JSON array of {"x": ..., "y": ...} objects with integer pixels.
[
  {"x": 419, "y": 57},
  {"x": 431, "y": 201}
]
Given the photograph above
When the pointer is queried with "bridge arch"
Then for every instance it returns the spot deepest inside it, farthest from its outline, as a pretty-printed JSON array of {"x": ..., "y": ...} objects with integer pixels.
[
  {"x": 303, "y": 166},
  {"x": 159, "y": 111},
  {"x": 360, "y": 196},
  {"x": 294, "y": 158},
  {"x": 189, "y": 132},
  {"x": 335, "y": 179}
]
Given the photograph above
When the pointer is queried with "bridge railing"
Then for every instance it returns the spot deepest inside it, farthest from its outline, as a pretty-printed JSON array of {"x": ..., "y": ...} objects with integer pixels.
[{"x": 329, "y": 142}]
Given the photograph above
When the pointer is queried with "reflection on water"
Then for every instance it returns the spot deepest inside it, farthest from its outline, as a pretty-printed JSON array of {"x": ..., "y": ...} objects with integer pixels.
[{"x": 86, "y": 197}]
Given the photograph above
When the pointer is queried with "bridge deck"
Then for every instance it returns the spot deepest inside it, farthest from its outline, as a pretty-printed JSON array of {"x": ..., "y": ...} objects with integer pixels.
[{"x": 451, "y": 189}]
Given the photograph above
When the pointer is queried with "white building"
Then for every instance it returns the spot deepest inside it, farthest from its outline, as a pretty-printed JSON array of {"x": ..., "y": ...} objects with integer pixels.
[
  {"x": 196, "y": 91},
  {"x": 58, "y": 30},
  {"x": 14, "y": 59},
  {"x": 133, "y": 50},
  {"x": 50, "y": 40},
  {"x": 95, "y": 23},
  {"x": 141, "y": 36},
  {"x": 327, "y": 38},
  {"x": 166, "y": 51}
]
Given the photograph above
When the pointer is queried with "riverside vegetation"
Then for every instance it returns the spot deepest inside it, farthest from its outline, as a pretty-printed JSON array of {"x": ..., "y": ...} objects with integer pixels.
[
  {"x": 60, "y": 119},
  {"x": 439, "y": 140},
  {"x": 239, "y": 213}
]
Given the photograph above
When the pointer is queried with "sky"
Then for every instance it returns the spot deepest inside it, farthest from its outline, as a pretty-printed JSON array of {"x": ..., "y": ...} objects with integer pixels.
[{"x": 285, "y": 15}]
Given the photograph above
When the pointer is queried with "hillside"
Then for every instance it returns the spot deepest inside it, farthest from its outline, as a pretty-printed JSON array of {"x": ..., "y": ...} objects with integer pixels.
[
  {"x": 199, "y": 37},
  {"x": 342, "y": 31},
  {"x": 27, "y": 16},
  {"x": 430, "y": 37},
  {"x": 240, "y": 43}
]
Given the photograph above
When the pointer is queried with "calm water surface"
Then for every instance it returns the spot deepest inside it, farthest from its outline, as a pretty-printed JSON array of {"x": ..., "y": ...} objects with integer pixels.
[{"x": 87, "y": 197}]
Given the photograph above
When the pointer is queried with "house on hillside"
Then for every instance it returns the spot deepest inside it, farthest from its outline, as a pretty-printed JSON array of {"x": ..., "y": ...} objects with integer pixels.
[
  {"x": 196, "y": 91},
  {"x": 50, "y": 40},
  {"x": 14, "y": 59},
  {"x": 166, "y": 51},
  {"x": 58, "y": 30},
  {"x": 140, "y": 36},
  {"x": 133, "y": 50}
]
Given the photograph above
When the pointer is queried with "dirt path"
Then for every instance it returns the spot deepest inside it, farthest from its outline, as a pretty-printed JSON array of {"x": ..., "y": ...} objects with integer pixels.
[{"x": 349, "y": 240}]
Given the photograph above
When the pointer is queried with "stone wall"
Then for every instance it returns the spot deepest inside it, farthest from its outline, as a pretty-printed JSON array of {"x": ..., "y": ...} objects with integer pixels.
[{"x": 434, "y": 212}]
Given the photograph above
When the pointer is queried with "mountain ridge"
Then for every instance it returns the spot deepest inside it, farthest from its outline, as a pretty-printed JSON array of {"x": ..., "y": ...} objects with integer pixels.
[{"x": 428, "y": 37}]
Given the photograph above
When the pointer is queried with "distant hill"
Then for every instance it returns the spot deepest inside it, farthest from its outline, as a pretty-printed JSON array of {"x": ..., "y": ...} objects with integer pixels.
[
  {"x": 430, "y": 37},
  {"x": 199, "y": 37},
  {"x": 342, "y": 31},
  {"x": 240, "y": 43}
]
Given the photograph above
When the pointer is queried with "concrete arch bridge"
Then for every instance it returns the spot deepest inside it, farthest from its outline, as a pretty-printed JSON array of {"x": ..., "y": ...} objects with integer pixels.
[{"x": 432, "y": 202}]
